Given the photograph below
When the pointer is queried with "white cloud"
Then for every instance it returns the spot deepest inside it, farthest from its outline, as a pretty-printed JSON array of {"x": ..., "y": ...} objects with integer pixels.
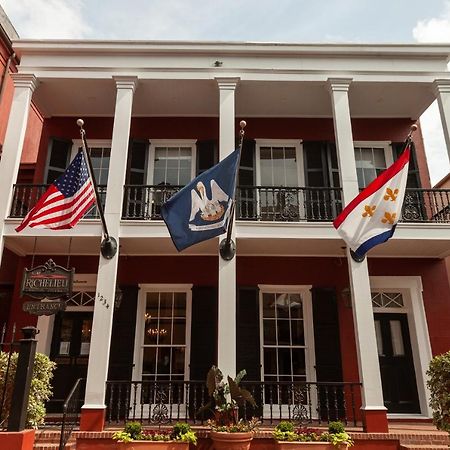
[
  {"x": 434, "y": 29},
  {"x": 426, "y": 31},
  {"x": 47, "y": 19}
]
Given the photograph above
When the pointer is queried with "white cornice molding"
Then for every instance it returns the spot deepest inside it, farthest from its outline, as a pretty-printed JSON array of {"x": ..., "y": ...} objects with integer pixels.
[
  {"x": 126, "y": 82},
  {"x": 216, "y": 48},
  {"x": 227, "y": 83},
  {"x": 442, "y": 86},
  {"x": 23, "y": 80},
  {"x": 339, "y": 84}
]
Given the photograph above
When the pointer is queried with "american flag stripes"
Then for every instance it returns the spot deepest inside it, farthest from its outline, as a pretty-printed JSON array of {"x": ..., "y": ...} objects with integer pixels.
[{"x": 66, "y": 201}]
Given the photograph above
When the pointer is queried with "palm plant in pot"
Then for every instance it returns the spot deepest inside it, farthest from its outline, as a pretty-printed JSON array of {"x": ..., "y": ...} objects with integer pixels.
[{"x": 227, "y": 430}]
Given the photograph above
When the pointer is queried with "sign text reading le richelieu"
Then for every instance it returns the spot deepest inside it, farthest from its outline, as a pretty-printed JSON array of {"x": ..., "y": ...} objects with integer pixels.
[{"x": 48, "y": 280}]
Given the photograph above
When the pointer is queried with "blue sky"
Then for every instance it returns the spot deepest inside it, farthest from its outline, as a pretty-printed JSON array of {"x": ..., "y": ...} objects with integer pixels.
[{"x": 382, "y": 21}]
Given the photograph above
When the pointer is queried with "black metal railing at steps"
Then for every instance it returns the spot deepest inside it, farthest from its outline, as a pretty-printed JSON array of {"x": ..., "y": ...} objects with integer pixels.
[
  {"x": 25, "y": 196},
  {"x": 71, "y": 411},
  {"x": 162, "y": 402},
  {"x": 256, "y": 203}
]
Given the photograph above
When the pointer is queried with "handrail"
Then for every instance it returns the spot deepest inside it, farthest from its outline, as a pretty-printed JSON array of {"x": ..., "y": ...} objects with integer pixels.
[{"x": 71, "y": 406}]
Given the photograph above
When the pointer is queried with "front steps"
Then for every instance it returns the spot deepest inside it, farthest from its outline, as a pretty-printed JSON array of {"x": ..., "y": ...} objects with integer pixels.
[{"x": 49, "y": 440}]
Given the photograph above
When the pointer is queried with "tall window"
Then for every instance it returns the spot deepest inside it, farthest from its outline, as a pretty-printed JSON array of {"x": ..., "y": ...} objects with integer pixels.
[
  {"x": 162, "y": 335},
  {"x": 172, "y": 161},
  {"x": 371, "y": 160},
  {"x": 280, "y": 173},
  {"x": 286, "y": 338}
]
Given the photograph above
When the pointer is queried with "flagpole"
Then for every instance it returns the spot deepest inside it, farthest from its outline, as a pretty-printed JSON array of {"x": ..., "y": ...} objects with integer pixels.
[
  {"x": 108, "y": 247},
  {"x": 227, "y": 247},
  {"x": 407, "y": 141}
]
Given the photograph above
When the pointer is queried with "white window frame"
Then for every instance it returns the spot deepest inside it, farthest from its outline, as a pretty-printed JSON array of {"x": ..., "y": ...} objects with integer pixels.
[
  {"x": 411, "y": 289},
  {"x": 386, "y": 145},
  {"x": 140, "y": 321},
  {"x": 308, "y": 327},
  {"x": 298, "y": 145},
  {"x": 170, "y": 143}
]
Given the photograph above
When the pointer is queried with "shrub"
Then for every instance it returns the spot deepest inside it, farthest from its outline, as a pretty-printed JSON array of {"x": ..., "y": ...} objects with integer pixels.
[
  {"x": 40, "y": 390},
  {"x": 285, "y": 426},
  {"x": 439, "y": 384},
  {"x": 336, "y": 427},
  {"x": 134, "y": 429}
]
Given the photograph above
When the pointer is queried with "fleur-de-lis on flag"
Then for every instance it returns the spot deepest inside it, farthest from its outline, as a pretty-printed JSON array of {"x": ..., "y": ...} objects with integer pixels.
[{"x": 391, "y": 194}]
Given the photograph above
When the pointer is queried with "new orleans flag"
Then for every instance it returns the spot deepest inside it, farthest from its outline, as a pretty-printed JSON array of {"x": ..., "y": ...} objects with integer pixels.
[{"x": 371, "y": 217}]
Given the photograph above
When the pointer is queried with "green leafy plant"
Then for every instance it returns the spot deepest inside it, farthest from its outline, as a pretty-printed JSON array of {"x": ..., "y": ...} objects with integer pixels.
[
  {"x": 439, "y": 383},
  {"x": 241, "y": 426},
  {"x": 133, "y": 431},
  {"x": 226, "y": 396},
  {"x": 40, "y": 390},
  {"x": 336, "y": 434}
]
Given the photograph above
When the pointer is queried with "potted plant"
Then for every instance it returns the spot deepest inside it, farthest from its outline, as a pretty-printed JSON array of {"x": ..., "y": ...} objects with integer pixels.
[
  {"x": 439, "y": 384},
  {"x": 228, "y": 432},
  {"x": 288, "y": 437},
  {"x": 134, "y": 437}
]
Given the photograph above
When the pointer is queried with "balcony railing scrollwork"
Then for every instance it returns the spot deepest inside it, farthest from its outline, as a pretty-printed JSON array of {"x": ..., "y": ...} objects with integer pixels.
[
  {"x": 163, "y": 402},
  {"x": 255, "y": 203}
]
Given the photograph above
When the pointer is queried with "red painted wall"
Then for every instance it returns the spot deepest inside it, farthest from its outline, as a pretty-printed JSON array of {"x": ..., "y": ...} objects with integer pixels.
[{"x": 208, "y": 128}]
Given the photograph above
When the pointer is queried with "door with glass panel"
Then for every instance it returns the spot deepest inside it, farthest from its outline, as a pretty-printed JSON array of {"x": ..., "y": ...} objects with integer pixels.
[
  {"x": 162, "y": 352},
  {"x": 396, "y": 363},
  {"x": 171, "y": 166},
  {"x": 70, "y": 350},
  {"x": 280, "y": 173},
  {"x": 287, "y": 353}
]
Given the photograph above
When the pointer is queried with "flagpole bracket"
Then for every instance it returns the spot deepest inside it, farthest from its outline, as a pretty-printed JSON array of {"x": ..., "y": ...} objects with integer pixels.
[
  {"x": 356, "y": 257},
  {"x": 108, "y": 247},
  {"x": 227, "y": 249}
]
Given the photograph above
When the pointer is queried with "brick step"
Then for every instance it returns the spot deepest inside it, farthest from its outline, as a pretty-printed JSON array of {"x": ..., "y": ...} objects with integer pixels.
[
  {"x": 423, "y": 447},
  {"x": 47, "y": 446}
]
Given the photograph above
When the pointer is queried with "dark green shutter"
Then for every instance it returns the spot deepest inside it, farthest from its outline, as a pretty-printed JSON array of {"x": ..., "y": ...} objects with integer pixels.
[
  {"x": 203, "y": 331},
  {"x": 326, "y": 335},
  {"x": 137, "y": 162},
  {"x": 246, "y": 193},
  {"x": 248, "y": 351},
  {"x": 122, "y": 337},
  {"x": 413, "y": 169},
  {"x": 207, "y": 155},
  {"x": 58, "y": 158},
  {"x": 321, "y": 171}
]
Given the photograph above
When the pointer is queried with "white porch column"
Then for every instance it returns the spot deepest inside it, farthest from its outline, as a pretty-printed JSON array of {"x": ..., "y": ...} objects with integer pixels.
[
  {"x": 93, "y": 410},
  {"x": 442, "y": 89},
  {"x": 24, "y": 86},
  {"x": 373, "y": 407},
  {"x": 226, "y": 335}
]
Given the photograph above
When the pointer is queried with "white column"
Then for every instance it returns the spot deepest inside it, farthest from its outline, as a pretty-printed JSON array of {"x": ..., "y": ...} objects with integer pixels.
[
  {"x": 226, "y": 334},
  {"x": 366, "y": 344},
  {"x": 24, "y": 86},
  {"x": 442, "y": 89},
  {"x": 107, "y": 269}
]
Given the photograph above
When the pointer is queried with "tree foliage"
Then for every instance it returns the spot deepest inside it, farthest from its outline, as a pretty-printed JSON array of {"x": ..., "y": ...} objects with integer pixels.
[
  {"x": 439, "y": 384},
  {"x": 40, "y": 391}
]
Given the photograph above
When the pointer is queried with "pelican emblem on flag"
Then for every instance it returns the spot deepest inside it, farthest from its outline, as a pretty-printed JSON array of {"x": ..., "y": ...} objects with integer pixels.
[{"x": 211, "y": 209}]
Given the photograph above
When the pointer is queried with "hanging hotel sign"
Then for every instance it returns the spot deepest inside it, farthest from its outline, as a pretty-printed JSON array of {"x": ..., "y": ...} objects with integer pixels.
[
  {"x": 45, "y": 308},
  {"x": 47, "y": 281}
]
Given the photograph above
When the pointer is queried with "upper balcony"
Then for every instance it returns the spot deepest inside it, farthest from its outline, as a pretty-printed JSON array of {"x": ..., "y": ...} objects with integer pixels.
[{"x": 279, "y": 218}]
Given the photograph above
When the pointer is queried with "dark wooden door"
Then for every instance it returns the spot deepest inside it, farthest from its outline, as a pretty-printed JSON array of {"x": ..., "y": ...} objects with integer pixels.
[
  {"x": 396, "y": 363},
  {"x": 70, "y": 351}
]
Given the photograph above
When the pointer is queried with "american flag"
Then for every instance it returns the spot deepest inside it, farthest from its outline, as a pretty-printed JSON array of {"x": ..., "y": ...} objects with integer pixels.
[{"x": 66, "y": 200}]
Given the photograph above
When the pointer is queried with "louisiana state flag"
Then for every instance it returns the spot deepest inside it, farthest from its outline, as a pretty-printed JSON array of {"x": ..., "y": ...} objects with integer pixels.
[
  {"x": 371, "y": 217},
  {"x": 201, "y": 210}
]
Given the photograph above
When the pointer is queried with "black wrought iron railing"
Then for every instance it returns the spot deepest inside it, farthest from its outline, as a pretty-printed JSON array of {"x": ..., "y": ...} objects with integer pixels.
[
  {"x": 71, "y": 411},
  {"x": 161, "y": 402},
  {"x": 256, "y": 203},
  {"x": 25, "y": 196}
]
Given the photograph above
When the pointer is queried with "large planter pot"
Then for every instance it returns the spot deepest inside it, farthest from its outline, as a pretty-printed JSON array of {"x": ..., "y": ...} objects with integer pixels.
[
  {"x": 152, "y": 445},
  {"x": 284, "y": 445},
  {"x": 231, "y": 441}
]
